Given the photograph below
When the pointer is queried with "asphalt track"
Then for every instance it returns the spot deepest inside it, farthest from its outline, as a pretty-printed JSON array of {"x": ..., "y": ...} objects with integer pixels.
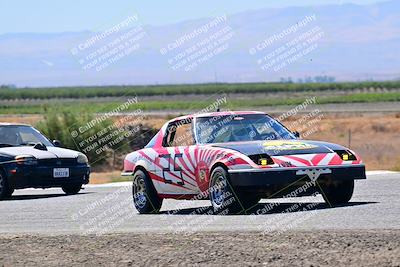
[{"x": 108, "y": 208}]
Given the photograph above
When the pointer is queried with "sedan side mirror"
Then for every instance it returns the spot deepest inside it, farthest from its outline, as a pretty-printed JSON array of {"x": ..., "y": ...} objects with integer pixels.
[
  {"x": 296, "y": 134},
  {"x": 56, "y": 143}
]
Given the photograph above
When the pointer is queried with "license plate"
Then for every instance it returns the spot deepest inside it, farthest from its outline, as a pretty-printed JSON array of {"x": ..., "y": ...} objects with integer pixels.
[{"x": 60, "y": 172}]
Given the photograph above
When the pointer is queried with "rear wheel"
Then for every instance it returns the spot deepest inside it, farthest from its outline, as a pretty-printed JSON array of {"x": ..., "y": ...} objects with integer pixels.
[
  {"x": 338, "y": 193},
  {"x": 144, "y": 194},
  {"x": 5, "y": 190},
  {"x": 224, "y": 198},
  {"x": 72, "y": 189}
]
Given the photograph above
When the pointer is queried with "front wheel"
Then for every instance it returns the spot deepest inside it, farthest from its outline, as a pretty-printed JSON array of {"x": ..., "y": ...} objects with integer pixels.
[
  {"x": 338, "y": 192},
  {"x": 5, "y": 190},
  {"x": 224, "y": 198},
  {"x": 144, "y": 194},
  {"x": 72, "y": 189}
]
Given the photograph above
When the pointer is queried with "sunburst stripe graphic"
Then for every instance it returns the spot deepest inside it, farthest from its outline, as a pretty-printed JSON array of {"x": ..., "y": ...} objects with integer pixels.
[
  {"x": 317, "y": 159},
  {"x": 183, "y": 165},
  {"x": 192, "y": 156},
  {"x": 184, "y": 170},
  {"x": 326, "y": 160},
  {"x": 160, "y": 168},
  {"x": 187, "y": 159},
  {"x": 168, "y": 188}
]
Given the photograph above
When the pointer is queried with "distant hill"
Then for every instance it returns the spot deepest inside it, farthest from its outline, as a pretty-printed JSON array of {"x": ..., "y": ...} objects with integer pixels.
[{"x": 359, "y": 42}]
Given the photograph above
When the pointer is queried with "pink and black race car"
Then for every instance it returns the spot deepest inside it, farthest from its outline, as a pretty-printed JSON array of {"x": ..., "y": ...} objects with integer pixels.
[{"x": 235, "y": 159}]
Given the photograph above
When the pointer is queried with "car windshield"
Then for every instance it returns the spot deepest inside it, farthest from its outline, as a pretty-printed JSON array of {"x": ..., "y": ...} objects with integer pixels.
[
  {"x": 21, "y": 136},
  {"x": 234, "y": 128}
]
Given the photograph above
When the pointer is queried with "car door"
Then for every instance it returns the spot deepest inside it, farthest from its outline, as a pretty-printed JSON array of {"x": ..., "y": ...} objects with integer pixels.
[{"x": 176, "y": 159}]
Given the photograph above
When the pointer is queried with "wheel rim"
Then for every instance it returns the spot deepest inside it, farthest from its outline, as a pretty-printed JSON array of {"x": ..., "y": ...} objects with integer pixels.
[
  {"x": 139, "y": 192},
  {"x": 218, "y": 192}
]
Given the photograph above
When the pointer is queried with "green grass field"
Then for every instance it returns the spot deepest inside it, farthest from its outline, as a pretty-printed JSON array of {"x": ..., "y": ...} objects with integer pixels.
[
  {"x": 246, "y": 88},
  {"x": 99, "y": 107}
]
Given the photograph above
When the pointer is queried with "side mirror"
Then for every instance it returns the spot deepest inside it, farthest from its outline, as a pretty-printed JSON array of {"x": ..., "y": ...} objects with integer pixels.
[
  {"x": 296, "y": 134},
  {"x": 57, "y": 143}
]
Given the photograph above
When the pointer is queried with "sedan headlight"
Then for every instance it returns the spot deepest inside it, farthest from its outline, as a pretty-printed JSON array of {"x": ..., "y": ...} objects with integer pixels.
[
  {"x": 26, "y": 160},
  {"x": 82, "y": 159}
]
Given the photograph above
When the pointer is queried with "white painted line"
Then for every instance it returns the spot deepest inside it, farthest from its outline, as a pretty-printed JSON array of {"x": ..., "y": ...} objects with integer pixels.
[
  {"x": 119, "y": 184},
  {"x": 381, "y": 172}
]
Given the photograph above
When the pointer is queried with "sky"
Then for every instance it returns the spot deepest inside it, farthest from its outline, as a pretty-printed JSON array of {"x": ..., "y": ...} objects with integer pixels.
[{"x": 46, "y": 16}]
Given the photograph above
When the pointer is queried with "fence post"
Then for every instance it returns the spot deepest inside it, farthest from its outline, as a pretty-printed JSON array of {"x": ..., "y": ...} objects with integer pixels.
[
  {"x": 113, "y": 158},
  {"x": 349, "y": 141}
]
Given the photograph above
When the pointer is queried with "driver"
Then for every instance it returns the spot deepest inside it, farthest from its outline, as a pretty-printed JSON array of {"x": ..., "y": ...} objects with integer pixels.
[{"x": 240, "y": 134}]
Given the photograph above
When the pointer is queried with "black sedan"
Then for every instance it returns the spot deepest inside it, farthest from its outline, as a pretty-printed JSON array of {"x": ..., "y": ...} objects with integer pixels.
[{"x": 28, "y": 159}]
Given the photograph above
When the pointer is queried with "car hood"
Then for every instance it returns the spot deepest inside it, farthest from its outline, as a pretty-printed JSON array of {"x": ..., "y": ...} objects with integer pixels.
[
  {"x": 52, "y": 152},
  {"x": 281, "y": 147}
]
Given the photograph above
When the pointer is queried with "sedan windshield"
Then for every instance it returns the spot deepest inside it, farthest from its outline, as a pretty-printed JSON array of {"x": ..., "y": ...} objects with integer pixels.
[
  {"x": 21, "y": 136},
  {"x": 234, "y": 128}
]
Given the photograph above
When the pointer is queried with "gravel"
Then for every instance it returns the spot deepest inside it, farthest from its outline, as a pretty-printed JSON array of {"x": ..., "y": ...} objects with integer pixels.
[{"x": 291, "y": 248}]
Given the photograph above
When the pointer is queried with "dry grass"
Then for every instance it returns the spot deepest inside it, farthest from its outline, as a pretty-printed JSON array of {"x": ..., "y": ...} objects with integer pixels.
[
  {"x": 106, "y": 177},
  {"x": 29, "y": 119}
]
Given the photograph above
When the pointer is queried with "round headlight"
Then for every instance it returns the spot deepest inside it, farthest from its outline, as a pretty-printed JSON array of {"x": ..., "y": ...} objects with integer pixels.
[{"x": 82, "y": 159}]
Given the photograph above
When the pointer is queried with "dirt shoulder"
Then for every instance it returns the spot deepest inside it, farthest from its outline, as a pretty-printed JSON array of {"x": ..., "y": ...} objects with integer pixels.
[{"x": 340, "y": 248}]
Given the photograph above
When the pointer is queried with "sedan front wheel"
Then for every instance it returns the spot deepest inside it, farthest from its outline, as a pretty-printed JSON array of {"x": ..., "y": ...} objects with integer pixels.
[
  {"x": 5, "y": 190},
  {"x": 72, "y": 189}
]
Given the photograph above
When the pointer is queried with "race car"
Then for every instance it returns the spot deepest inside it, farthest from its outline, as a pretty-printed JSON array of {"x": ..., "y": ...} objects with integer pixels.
[
  {"x": 29, "y": 159},
  {"x": 235, "y": 159}
]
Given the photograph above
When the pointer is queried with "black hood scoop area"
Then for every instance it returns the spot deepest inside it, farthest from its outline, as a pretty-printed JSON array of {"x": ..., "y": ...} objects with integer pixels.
[{"x": 278, "y": 147}]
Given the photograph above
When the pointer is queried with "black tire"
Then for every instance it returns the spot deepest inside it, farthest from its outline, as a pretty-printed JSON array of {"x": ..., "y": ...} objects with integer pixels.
[
  {"x": 248, "y": 200},
  {"x": 144, "y": 194},
  {"x": 72, "y": 189},
  {"x": 5, "y": 190},
  {"x": 225, "y": 198},
  {"x": 338, "y": 193}
]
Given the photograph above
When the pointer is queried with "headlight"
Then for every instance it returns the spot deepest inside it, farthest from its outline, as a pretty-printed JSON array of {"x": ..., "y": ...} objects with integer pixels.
[
  {"x": 82, "y": 159},
  {"x": 26, "y": 160},
  {"x": 346, "y": 155},
  {"x": 262, "y": 159}
]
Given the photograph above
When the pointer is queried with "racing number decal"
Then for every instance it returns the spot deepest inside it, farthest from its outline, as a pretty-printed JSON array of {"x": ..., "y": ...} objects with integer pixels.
[
  {"x": 176, "y": 168},
  {"x": 166, "y": 169}
]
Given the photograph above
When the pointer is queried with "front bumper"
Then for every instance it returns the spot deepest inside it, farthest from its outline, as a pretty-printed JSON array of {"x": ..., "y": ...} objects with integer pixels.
[
  {"x": 285, "y": 176},
  {"x": 42, "y": 176}
]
